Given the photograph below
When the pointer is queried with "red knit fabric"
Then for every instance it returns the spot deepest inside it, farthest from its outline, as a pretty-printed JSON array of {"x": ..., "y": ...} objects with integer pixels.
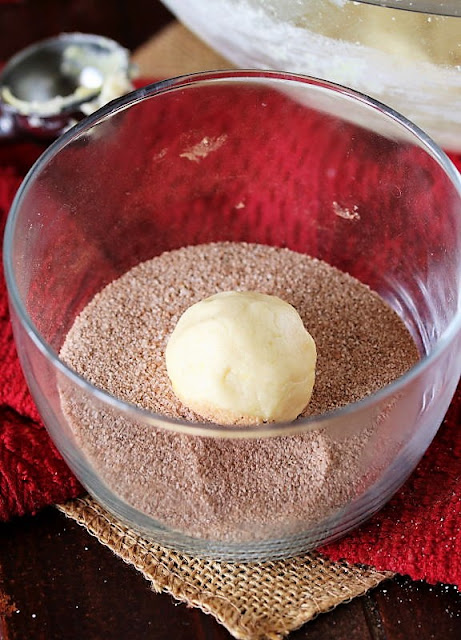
[
  {"x": 32, "y": 472},
  {"x": 417, "y": 533}
]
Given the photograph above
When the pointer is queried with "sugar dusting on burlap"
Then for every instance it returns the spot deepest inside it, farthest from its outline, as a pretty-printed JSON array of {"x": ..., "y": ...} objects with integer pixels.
[{"x": 230, "y": 490}]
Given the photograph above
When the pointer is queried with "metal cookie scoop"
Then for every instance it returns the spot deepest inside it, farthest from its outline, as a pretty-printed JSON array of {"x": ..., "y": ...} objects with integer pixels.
[{"x": 46, "y": 87}]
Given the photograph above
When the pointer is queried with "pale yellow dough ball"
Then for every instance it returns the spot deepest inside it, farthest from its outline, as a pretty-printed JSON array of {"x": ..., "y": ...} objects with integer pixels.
[{"x": 243, "y": 358}]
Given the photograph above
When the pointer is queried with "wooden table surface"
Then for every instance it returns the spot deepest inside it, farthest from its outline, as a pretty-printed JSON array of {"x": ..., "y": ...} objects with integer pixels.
[{"x": 59, "y": 583}]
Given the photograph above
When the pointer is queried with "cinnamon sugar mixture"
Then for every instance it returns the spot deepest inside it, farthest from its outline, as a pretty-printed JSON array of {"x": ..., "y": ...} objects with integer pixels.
[{"x": 223, "y": 489}]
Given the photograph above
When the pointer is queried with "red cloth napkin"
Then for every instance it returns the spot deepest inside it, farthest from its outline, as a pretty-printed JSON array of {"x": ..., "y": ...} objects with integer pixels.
[
  {"x": 417, "y": 533},
  {"x": 32, "y": 472}
]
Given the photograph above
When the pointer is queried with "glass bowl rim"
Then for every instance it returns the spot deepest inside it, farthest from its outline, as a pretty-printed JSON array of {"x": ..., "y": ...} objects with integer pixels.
[
  {"x": 301, "y": 425},
  {"x": 447, "y": 8}
]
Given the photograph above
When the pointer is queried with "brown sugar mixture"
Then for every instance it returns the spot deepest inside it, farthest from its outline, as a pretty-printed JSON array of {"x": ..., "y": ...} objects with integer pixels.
[{"x": 217, "y": 488}]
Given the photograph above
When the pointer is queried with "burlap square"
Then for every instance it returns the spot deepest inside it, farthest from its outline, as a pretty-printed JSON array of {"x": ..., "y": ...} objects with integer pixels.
[
  {"x": 175, "y": 51},
  {"x": 255, "y": 601}
]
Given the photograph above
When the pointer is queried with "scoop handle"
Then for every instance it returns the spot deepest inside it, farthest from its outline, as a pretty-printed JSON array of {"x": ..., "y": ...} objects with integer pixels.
[
  {"x": 8, "y": 124},
  {"x": 14, "y": 125}
]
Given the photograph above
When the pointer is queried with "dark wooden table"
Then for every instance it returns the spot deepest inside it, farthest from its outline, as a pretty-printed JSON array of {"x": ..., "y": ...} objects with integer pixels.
[{"x": 59, "y": 583}]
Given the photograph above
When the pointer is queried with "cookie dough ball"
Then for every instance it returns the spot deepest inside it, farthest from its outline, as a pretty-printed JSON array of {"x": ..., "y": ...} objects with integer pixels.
[{"x": 243, "y": 358}]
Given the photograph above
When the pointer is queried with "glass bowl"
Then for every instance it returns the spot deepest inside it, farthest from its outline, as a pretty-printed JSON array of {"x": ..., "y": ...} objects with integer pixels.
[
  {"x": 240, "y": 156},
  {"x": 406, "y": 54}
]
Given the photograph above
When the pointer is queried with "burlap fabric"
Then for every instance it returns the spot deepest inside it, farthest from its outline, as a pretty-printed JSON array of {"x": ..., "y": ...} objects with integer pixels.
[
  {"x": 176, "y": 51},
  {"x": 255, "y": 601}
]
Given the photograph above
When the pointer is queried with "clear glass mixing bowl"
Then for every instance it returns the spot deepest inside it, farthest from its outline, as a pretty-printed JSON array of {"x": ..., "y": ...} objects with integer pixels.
[
  {"x": 261, "y": 157},
  {"x": 408, "y": 57}
]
